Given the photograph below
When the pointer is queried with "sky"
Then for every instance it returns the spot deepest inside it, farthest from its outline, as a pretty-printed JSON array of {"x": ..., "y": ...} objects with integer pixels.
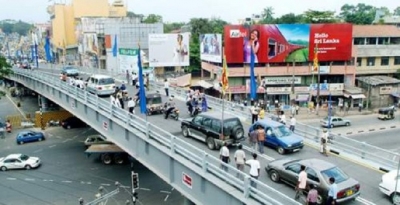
[{"x": 34, "y": 11}]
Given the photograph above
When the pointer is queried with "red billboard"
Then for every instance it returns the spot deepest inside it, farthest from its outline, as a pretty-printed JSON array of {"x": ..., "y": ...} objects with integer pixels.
[{"x": 275, "y": 43}]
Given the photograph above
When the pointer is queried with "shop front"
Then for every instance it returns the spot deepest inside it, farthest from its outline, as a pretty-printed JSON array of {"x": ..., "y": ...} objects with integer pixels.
[{"x": 353, "y": 96}]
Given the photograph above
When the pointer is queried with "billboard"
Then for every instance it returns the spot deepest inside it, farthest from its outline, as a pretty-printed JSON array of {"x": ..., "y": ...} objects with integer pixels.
[
  {"x": 169, "y": 49},
  {"x": 211, "y": 47},
  {"x": 276, "y": 43}
]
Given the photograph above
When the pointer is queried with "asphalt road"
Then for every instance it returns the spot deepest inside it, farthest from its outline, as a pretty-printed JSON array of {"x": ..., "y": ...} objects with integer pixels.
[
  {"x": 67, "y": 173},
  {"x": 388, "y": 140},
  {"x": 369, "y": 179}
]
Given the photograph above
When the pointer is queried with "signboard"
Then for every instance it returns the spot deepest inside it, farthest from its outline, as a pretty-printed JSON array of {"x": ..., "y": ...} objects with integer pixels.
[
  {"x": 211, "y": 47},
  {"x": 128, "y": 59},
  {"x": 322, "y": 70},
  {"x": 186, "y": 180},
  {"x": 281, "y": 80},
  {"x": 385, "y": 90},
  {"x": 322, "y": 86},
  {"x": 169, "y": 49},
  {"x": 336, "y": 87},
  {"x": 279, "y": 90},
  {"x": 105, "y": 125},
  {"x": 278, "y": 43}
]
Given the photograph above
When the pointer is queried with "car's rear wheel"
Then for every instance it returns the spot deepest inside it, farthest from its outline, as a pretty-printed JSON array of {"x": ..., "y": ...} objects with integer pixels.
[
  {"x": 281, "y": 150},
  {"x": 395, "y": 198},
  {"x": 28, "y": 167},
  {"x": 3, "y": 168},
  {"x": 332, "y": 126},
  {"x": 210, "y": 143},
  {"x": 320, "y": 199},
  {"x": 40, "y": 139},
  {"x": 21, "y": 142},
  {"x": 238, "y": 132},
  {"x": 347, "y": 124},
  {"x": 185, "y": 131},
  {"x": 274, "y": 175},
  {"x": 106, "y": 159},
  {"x": 118, "y": 159},
  {"x": 68, "y": 126}
]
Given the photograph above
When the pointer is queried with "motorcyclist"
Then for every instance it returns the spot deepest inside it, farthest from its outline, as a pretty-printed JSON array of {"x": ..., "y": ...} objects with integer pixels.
[
  {"x": 171, "y": 106},
  {"x": 189, "y": 104}
]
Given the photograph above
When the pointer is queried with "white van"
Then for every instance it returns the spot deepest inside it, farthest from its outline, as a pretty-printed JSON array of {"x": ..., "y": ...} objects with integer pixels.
[{"x": 101, "y": 85}]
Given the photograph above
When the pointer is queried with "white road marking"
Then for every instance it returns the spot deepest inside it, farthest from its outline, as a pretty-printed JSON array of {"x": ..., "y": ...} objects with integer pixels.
[
  {"x": 105, "y": 184},
  {"x": 50, "y": 135},
  {"x": 74, "y": 137},
  {"x": 364, "y": 201},
  {"x": 165, "y": 192},
  {"x": 88, "y": 182},
  {"x": 51, "y": 146},
  {"x": 94, "y": 168},
  {"x": 29, "y": 179},
  {"x": 50, "y": 180},
  {"x": 12, "y": 178},
  {"x": 58, "y": 137},
  {"x": 66, "y": 181},
  {"x": 66, "y": 140},
  {"x": 126, "y": 187},
  {"x": 39, "y": 150},
  {"x": 144, "y": 189},
  {"x": 166, "y": 198},
  {"x": 172, "y": 189}
]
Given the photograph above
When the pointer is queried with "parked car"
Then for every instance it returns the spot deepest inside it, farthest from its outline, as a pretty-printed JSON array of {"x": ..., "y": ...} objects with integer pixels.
[
  {"x": 318, "y": 173},
  {"x": 72, "y": 122},
  {"x": 282, "y": 139},
  {"x": 206, "y": 127},
  {"x": 70, "y": 71},
  {"x": 96, "y": 139},
  {"x": 26, "y": 65},
  {"x": 388, "y": 186},
  {"x": 18, "y": 161},
  {"x": 335, "y": 122},
  {"x": 29, "y": 136}
]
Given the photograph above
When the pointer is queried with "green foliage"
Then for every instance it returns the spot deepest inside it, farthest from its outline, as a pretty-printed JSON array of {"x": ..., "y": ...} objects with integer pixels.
[
  {"x": 168, "y": 27},
  {"x": 20, "y": 27},
  {"x": 313, "y": 16},
  {"x": 396, "y": 11},
  {"x": 153, "y": 18},
  {"x": 5, "y": 70},
  {"x": 289, "y": 18},
  {"x": 358, "y": 14}
]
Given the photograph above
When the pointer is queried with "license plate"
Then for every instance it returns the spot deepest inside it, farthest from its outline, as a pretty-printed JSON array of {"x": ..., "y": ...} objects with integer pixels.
[
  {"x": 107, "y": 87},
  {"x": 349, "y": 192},
  {"x": 296, "y": 150}
]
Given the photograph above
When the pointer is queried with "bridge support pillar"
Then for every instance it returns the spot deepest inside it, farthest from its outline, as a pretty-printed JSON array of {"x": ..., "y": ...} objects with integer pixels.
[
  {"x": 43, "y": 103},
  {"x": 187, "y": 201}
]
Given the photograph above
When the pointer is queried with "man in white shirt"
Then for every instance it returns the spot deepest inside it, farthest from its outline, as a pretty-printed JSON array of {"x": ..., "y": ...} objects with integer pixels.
[
  {"x": 254, "y": 113},
  {"x": 72, "y": 81},
  {"x": 131, "y": 106},
  {"x": 134, "y": 78},
  {"x": 224, "y": 156},
  {"x": 254, "y": 169},
  {"x": 166, "y": 87},
  {"x": 240, "y": 158},
  {"x": 292, "y": 123},
  {"x": 301, "y": 183}
]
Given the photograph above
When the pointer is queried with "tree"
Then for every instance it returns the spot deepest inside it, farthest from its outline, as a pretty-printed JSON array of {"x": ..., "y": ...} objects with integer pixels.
[
  {"x": 396, "y": 11},
  {"x": 7, "y": 28},
  {"x": 289, "y": 18},
  {"x": 267, "y": 15},
  {"x": 153, "y": 18},
  {"x": 168, "y": 27},
  {"x": 314, "y": 16},
  {"x": 131, "y": 14},
  {"x": 22, "y": 28},
  {"x": 358, "y": 14},
  {"x": 384, "y": 10},
  {"x": 5, "y": 70}
]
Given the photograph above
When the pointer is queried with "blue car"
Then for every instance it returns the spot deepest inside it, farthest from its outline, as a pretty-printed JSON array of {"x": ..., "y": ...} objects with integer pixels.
[
  {"x": 281, "y": 138},
  {"x": 29, "y": 136}
]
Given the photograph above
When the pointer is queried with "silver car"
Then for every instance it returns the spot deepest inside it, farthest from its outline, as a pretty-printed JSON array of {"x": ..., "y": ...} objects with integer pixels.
[{"x": 334, "y": 122}]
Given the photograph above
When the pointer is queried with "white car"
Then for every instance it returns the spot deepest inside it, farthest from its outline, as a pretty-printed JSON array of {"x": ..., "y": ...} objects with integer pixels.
[
  {"x": 388, "y": 186},
  {"x": 18, "y": 161}
]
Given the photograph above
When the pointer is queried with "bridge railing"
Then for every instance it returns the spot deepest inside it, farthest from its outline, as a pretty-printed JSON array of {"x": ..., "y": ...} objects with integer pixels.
[{"x": 177, "y": 146}]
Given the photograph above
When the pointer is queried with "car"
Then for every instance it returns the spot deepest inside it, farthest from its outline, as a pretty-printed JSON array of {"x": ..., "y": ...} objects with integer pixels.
[
  {"x": 72, "y": 122},
  {"x": 29, "y": 136},
  {"x": 96, "y": 139},
  {"x": 335, "y": 122},
  {"x": 101, "y": 85},
  {"x": 318, "y": 172},
  {"x": 388, "y": 186},
  {"x": 2, "y": 126},
  {"x": 206, "y": 127},
  {"x": 18, "y": 161},
  {"x": 26, "y": 65},
  {"x": 70, "y": 71},
  {"x": 282, "y": 139}
]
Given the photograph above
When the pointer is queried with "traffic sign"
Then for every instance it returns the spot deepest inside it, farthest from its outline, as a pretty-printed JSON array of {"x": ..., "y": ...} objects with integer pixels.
[
  {"x": 187, "y": 180},
  {"x": 105, "y": 125}
]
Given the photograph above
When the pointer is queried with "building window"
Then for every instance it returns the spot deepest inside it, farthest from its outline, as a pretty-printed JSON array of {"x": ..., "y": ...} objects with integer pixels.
[
  {"x": 359, "y": 61},
  {"x": 397, "y": 60},
  {"x": 371, "y": 41},
  {"x": 359, "y": 41},
  {"x": 383, "y": 41},
  {"x": 371, "y": 61},
  {"x": 385, "y": 60}
]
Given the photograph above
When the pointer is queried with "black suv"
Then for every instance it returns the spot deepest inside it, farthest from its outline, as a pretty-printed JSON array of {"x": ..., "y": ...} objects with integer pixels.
[{"x": 206, "y": 127}]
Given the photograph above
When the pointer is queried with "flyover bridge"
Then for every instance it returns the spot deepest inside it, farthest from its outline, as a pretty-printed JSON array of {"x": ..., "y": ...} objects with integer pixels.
[{"x": 189, "y": 169}]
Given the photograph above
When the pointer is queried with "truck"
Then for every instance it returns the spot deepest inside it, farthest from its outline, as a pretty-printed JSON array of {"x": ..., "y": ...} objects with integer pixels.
[{"x": 108, "y": 153}]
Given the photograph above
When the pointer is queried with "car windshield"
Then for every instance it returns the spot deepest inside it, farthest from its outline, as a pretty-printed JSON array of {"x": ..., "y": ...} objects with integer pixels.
[
  {"x": 70, "y": 68},
  {"x": 336, "y": 173},
  {"x": 24, "y": 157},
  {"x": 106, "y": 81},
  {"x": 282, "y": 131}
]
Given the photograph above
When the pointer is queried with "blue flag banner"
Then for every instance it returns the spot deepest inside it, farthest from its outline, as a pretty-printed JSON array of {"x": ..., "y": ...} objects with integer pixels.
[
  {"x": 142, "y": 94},
  {"x": 115, "y": 47},
  {"x": 32, "y": 52},
  {"x": 47, "y": 49},
  {"x": 253, "y": 85}
]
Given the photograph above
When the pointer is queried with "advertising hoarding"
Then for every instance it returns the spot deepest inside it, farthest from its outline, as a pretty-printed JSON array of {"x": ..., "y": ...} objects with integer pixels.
[
  {"x": 211, "y": 47},
  {"x": 276, "y": 43},
  {"x": 169, "y": 49},
  {"x": 128, "y": 61}
]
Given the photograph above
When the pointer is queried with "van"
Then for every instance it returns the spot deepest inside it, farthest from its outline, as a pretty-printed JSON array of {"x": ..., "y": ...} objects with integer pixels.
[
  {"x": 96, "y": 139},
  {"x": 101, "y": 85}
]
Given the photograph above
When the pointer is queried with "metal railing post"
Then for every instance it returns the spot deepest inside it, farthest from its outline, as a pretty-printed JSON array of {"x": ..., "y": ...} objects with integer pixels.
[
  {"x": 247, "y": 186},
  {"x": 363, "y": 150},
  {"x": 204, "y": 162},
  {"x": 172, "y": 144},
  {"x": 148, "y": 129}
]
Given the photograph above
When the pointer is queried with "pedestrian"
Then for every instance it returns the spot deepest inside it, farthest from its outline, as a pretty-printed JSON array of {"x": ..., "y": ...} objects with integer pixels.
[
  {"x": 260, "y": 138},
  {"x": 253, "y": 139},
  {"x": 147, "y": 82},
  {"x": 131, "y": 105},
  {"x": 297, "y": 109},
  {"x": 347, "y": 107},
  {"x": 332, "y": 193},
  {"x": 240, "y": 158},
  {"x": 254, "y": 169},
  {"x": 134, "y": 78},
  {"x": 127, "y": 77},
  {"x": 120, "y": 98},
  {"x": 292, "y": 123},
  {"x": 360, "y": 106},
  {"x": 301, "y": 183},
  {"x": 254, "y": 113},
  {"x": 261, "y": 114},
  {"x": 166, "y": 87},
  {"x": 312, "y": 195},
  {"x": 293, "y": 110},
  {"x": 324, "y": 141},
  {"x": 224, "y": 156},
  {"x": 282, "y": 117}
]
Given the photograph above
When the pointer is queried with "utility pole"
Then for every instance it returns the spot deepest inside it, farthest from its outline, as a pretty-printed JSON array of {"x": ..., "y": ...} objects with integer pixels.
[{"x": 292, "y": 95}]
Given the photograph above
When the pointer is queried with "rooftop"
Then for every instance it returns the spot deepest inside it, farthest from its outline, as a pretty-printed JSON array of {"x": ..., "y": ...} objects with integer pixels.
[
  {"x": 378, "y": 80},
  {"x": 375, "y": 31}
]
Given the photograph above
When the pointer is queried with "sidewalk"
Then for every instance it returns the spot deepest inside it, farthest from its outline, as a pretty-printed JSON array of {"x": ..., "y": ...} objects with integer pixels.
[{"x": 305, "y": 115}]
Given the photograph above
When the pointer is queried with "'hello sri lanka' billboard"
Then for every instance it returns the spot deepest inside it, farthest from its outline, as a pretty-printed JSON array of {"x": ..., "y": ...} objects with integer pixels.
[{"x": 276, "y": 43}]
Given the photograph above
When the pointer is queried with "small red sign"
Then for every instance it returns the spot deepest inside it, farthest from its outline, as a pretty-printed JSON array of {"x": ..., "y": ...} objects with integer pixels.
[
  {"x": 105, "y": 125},
  {"x": 187, "y": 180}
]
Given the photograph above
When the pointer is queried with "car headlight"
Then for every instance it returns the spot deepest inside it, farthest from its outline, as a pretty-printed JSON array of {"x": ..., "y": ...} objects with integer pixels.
[
  {"x": 290, "y": 145},
  {"x": 302, "y": 142}
]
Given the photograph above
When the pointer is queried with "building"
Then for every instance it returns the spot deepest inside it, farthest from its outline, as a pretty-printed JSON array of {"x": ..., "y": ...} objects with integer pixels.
[
  {"x": 380, "y": 90},
  {"x": 381, "y": 18},
  {"x": 66, "y": 17}
]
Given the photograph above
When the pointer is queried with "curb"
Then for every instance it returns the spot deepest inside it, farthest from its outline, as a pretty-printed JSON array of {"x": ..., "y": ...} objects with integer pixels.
[{"x": 369, "y": 130}]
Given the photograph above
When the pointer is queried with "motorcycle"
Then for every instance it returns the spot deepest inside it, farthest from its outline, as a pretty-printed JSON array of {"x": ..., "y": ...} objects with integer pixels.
[
  {"x": 174, "y": 114},
  {"x": 196, "y": 111}
]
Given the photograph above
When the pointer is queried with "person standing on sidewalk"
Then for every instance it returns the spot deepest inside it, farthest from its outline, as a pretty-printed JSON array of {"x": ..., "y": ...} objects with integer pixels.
[
  {"x": 254, "y": 113},
  {"x": 292, "y": 123},
  {"x": 254, "y": 169},
  {"x": 297, "y": 109},
  {"x": 127, "y": 76},
  {"x": 240, "y": 158},
  {"x": 324, "y": 142},
  {"x": 131, "y": 106},
  {"x": 260, "y": 138},
  {"x": 224, "y": 156},
  {"x": 301, "y": 183},
  {"x": 166, "y": 87},
  {"x": 134, "y": 78},
  {"x": 332, "y": 193},
  {"x": 253, "y": 141}
]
